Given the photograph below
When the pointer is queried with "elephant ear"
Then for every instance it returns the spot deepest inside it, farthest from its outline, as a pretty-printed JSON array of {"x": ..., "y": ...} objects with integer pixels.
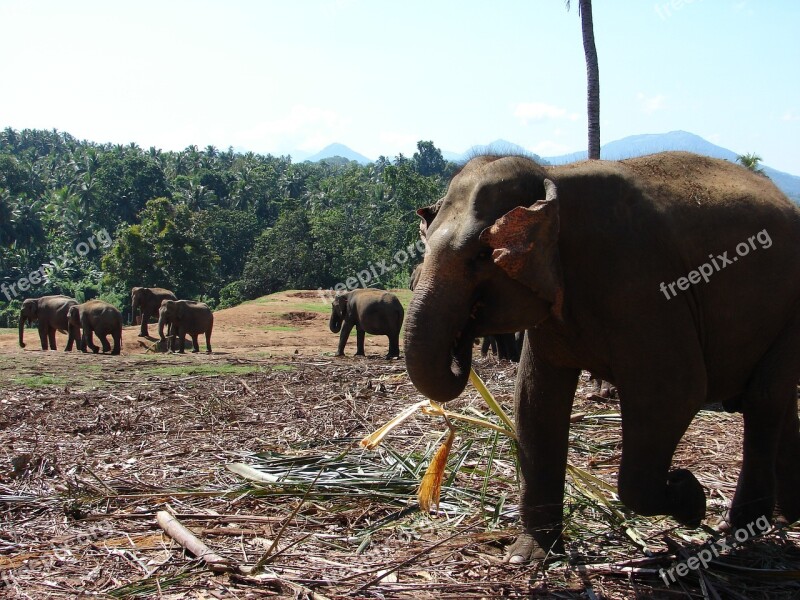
[
  {"x": 524, "y": 244},
  {"x": 427, "y": 214}
]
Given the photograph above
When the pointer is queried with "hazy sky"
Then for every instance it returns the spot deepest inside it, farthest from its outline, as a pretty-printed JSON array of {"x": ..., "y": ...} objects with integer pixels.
[{"x": 281, "y": 76}]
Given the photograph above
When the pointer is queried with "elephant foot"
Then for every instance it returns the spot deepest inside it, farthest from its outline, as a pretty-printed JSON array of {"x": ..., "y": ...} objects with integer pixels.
[
  {"x": 526, "y": 549},
  {"x": 359, "y": 354},
  {"x": 142, "y": 335},
  {"x": 195, "y": 351},
  {"x": 686, "y": 498}
]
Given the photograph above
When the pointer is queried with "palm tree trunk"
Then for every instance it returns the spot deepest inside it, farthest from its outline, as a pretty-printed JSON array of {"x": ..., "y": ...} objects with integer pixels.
[{"x": 592, "y": 78}]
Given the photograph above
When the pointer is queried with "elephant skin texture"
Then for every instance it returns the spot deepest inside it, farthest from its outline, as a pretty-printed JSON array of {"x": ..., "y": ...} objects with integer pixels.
[
  {"x": 370, "y": 311},
  {"x": 185, "y": 317},
  {"x": 50, "y": 313},
  {"x": 95, "y": 317},
  {"x": 148, "y": 300},
  {"x": 674, "y": 277}
]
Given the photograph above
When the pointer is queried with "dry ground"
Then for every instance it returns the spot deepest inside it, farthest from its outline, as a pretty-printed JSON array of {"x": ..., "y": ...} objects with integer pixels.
[{"x": 94, "y": 446}]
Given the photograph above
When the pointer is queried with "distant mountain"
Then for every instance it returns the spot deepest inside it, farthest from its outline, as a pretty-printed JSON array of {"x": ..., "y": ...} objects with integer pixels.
[
  {"x": 650, "y": 143},
  {"x": 339, "y": 150},
  {"x": 639, "y": 145}
]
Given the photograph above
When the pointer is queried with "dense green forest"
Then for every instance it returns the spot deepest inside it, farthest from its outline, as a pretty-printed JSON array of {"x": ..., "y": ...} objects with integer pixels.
[{"x": 93, "y": 220}]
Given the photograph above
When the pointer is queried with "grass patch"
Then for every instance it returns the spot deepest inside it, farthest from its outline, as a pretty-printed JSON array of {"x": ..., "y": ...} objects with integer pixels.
[
  {"x": 8, "y": 330},
  {"x": 283, "y": 367},
  {"x": 178, "y": 370},
  {"x": 281, "y": 328},
  {"x": 37, "y": 381}
]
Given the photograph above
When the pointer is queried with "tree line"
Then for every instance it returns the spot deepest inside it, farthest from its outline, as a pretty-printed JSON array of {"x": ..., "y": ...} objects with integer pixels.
[{"x": 92, "y": 220}]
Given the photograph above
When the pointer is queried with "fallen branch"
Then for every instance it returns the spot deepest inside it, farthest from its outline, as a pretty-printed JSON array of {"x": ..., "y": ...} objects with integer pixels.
[{"x": 190, "y": 542}]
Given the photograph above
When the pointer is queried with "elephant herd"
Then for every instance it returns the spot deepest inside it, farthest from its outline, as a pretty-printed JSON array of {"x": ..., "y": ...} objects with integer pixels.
[{"x": 81, "y": 322}]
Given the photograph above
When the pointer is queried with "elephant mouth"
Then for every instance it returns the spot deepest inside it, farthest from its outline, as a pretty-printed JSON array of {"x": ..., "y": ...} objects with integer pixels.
[{"x": 461, "y": 350}]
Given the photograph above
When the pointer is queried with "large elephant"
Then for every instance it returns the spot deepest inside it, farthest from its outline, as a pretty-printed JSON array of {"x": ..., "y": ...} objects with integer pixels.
[
  {"x": 675, "y": 277},
  {"x": 50, "y": 312},
  {"x": 370, "y": 311},
  {"x": 186, "y": 317},
  {"x": 149, "y": 301},
  {"x": 95, "y": 317}
]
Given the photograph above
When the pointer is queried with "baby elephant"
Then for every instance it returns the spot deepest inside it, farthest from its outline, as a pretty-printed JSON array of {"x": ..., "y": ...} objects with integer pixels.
[
  {"x": 94, "y": 316},
  {"x": 369, "y": 311},
  {"x": 186, "y": 317}
]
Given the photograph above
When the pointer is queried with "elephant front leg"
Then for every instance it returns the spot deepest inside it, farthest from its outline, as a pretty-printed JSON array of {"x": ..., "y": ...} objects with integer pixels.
[
  {"x": 343, "y": 336},
  {"x": 195, "y": 343},
  {"x": 104, "y": 342},
  {"x": 360, "y": 335},
  {"x": 544, "y": 396},
  {"x": 43, "y": 335},
  {"x": 143, "y": 328}
]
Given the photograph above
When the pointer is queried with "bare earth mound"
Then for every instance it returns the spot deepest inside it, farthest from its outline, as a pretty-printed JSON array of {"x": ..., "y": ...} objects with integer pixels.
[{"x": 95, "y": 446}]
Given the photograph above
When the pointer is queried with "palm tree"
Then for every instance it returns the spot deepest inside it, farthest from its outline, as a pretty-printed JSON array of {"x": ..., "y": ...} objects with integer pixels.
[
  {"x": 751, "y": 161},
  {"x": 592, "y": 76}
]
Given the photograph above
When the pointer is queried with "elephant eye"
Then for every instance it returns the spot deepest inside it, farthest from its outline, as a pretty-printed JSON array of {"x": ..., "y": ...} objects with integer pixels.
[{"x": 485, "y": 254}]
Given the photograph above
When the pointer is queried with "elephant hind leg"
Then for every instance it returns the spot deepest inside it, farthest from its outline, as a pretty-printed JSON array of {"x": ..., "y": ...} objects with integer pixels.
[
  {"x": 394, "y": 346},
  {"x": 786, "y": 469},
  {"x": 51, "y": 337},
  {"x": 208, "y": 342},
  {"x": 104, "y": 343},
  {"x": 360, "y": 335},
  {"x": 771, "y": 444},
  {"x": 195, "y": 343}
]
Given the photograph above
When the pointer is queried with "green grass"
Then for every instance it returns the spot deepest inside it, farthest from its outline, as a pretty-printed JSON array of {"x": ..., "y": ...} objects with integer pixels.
[
  {"x": 8, "y": 330},
  {"x": 178, "y": 370},
  {"x": 37, "y": 381},
  {"x": 283, "y": 367},
  {"x": 281, "y": 328}
]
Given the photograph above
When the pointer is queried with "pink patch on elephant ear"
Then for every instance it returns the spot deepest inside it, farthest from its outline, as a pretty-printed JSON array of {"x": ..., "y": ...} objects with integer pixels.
[{"x": 520, "y": 250}]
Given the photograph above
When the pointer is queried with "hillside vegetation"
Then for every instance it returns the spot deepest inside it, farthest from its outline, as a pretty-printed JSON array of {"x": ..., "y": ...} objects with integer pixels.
[{"x": 93, "y": 220}]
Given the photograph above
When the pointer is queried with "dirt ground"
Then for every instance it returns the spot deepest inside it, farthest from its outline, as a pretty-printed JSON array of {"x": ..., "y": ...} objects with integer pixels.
[{"x": 254, "y": 449}]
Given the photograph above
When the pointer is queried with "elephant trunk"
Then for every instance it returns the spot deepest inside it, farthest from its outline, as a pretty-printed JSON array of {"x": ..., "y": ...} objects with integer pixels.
[
  {"x": 134, "y": 306},
  {"x": 336, "y": 322},
  {"x": 161, "y": 321},
  {"x": 438, "y": 342},
  {"x": 22, "y": 320}
]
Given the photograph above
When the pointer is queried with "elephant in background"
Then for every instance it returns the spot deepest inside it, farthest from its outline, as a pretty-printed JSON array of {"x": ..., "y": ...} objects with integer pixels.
[
  {"x": 149, "y": 301},
  {"x": 185, "y": 317},
  {"x": 95, "y": 317},
  {"x": 51, "y": 314},
  {"x": 586, "y": 258},
  {"x": 370, "y": 311},
  {"x": 504, "y": 346}
]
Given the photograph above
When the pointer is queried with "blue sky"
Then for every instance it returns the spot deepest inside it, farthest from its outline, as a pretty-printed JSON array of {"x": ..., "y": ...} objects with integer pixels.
[{"x": 279, "y": 76}]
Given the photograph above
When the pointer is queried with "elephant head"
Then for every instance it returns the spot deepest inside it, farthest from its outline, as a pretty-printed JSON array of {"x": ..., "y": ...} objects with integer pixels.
[
  {"x": 492, "y": 266},
  {"x": 138, "y": 296},
  {"x": 338, "y": 312},
  {"x": 166, "y": 316},
  {"x": 28, "y": 313}
]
